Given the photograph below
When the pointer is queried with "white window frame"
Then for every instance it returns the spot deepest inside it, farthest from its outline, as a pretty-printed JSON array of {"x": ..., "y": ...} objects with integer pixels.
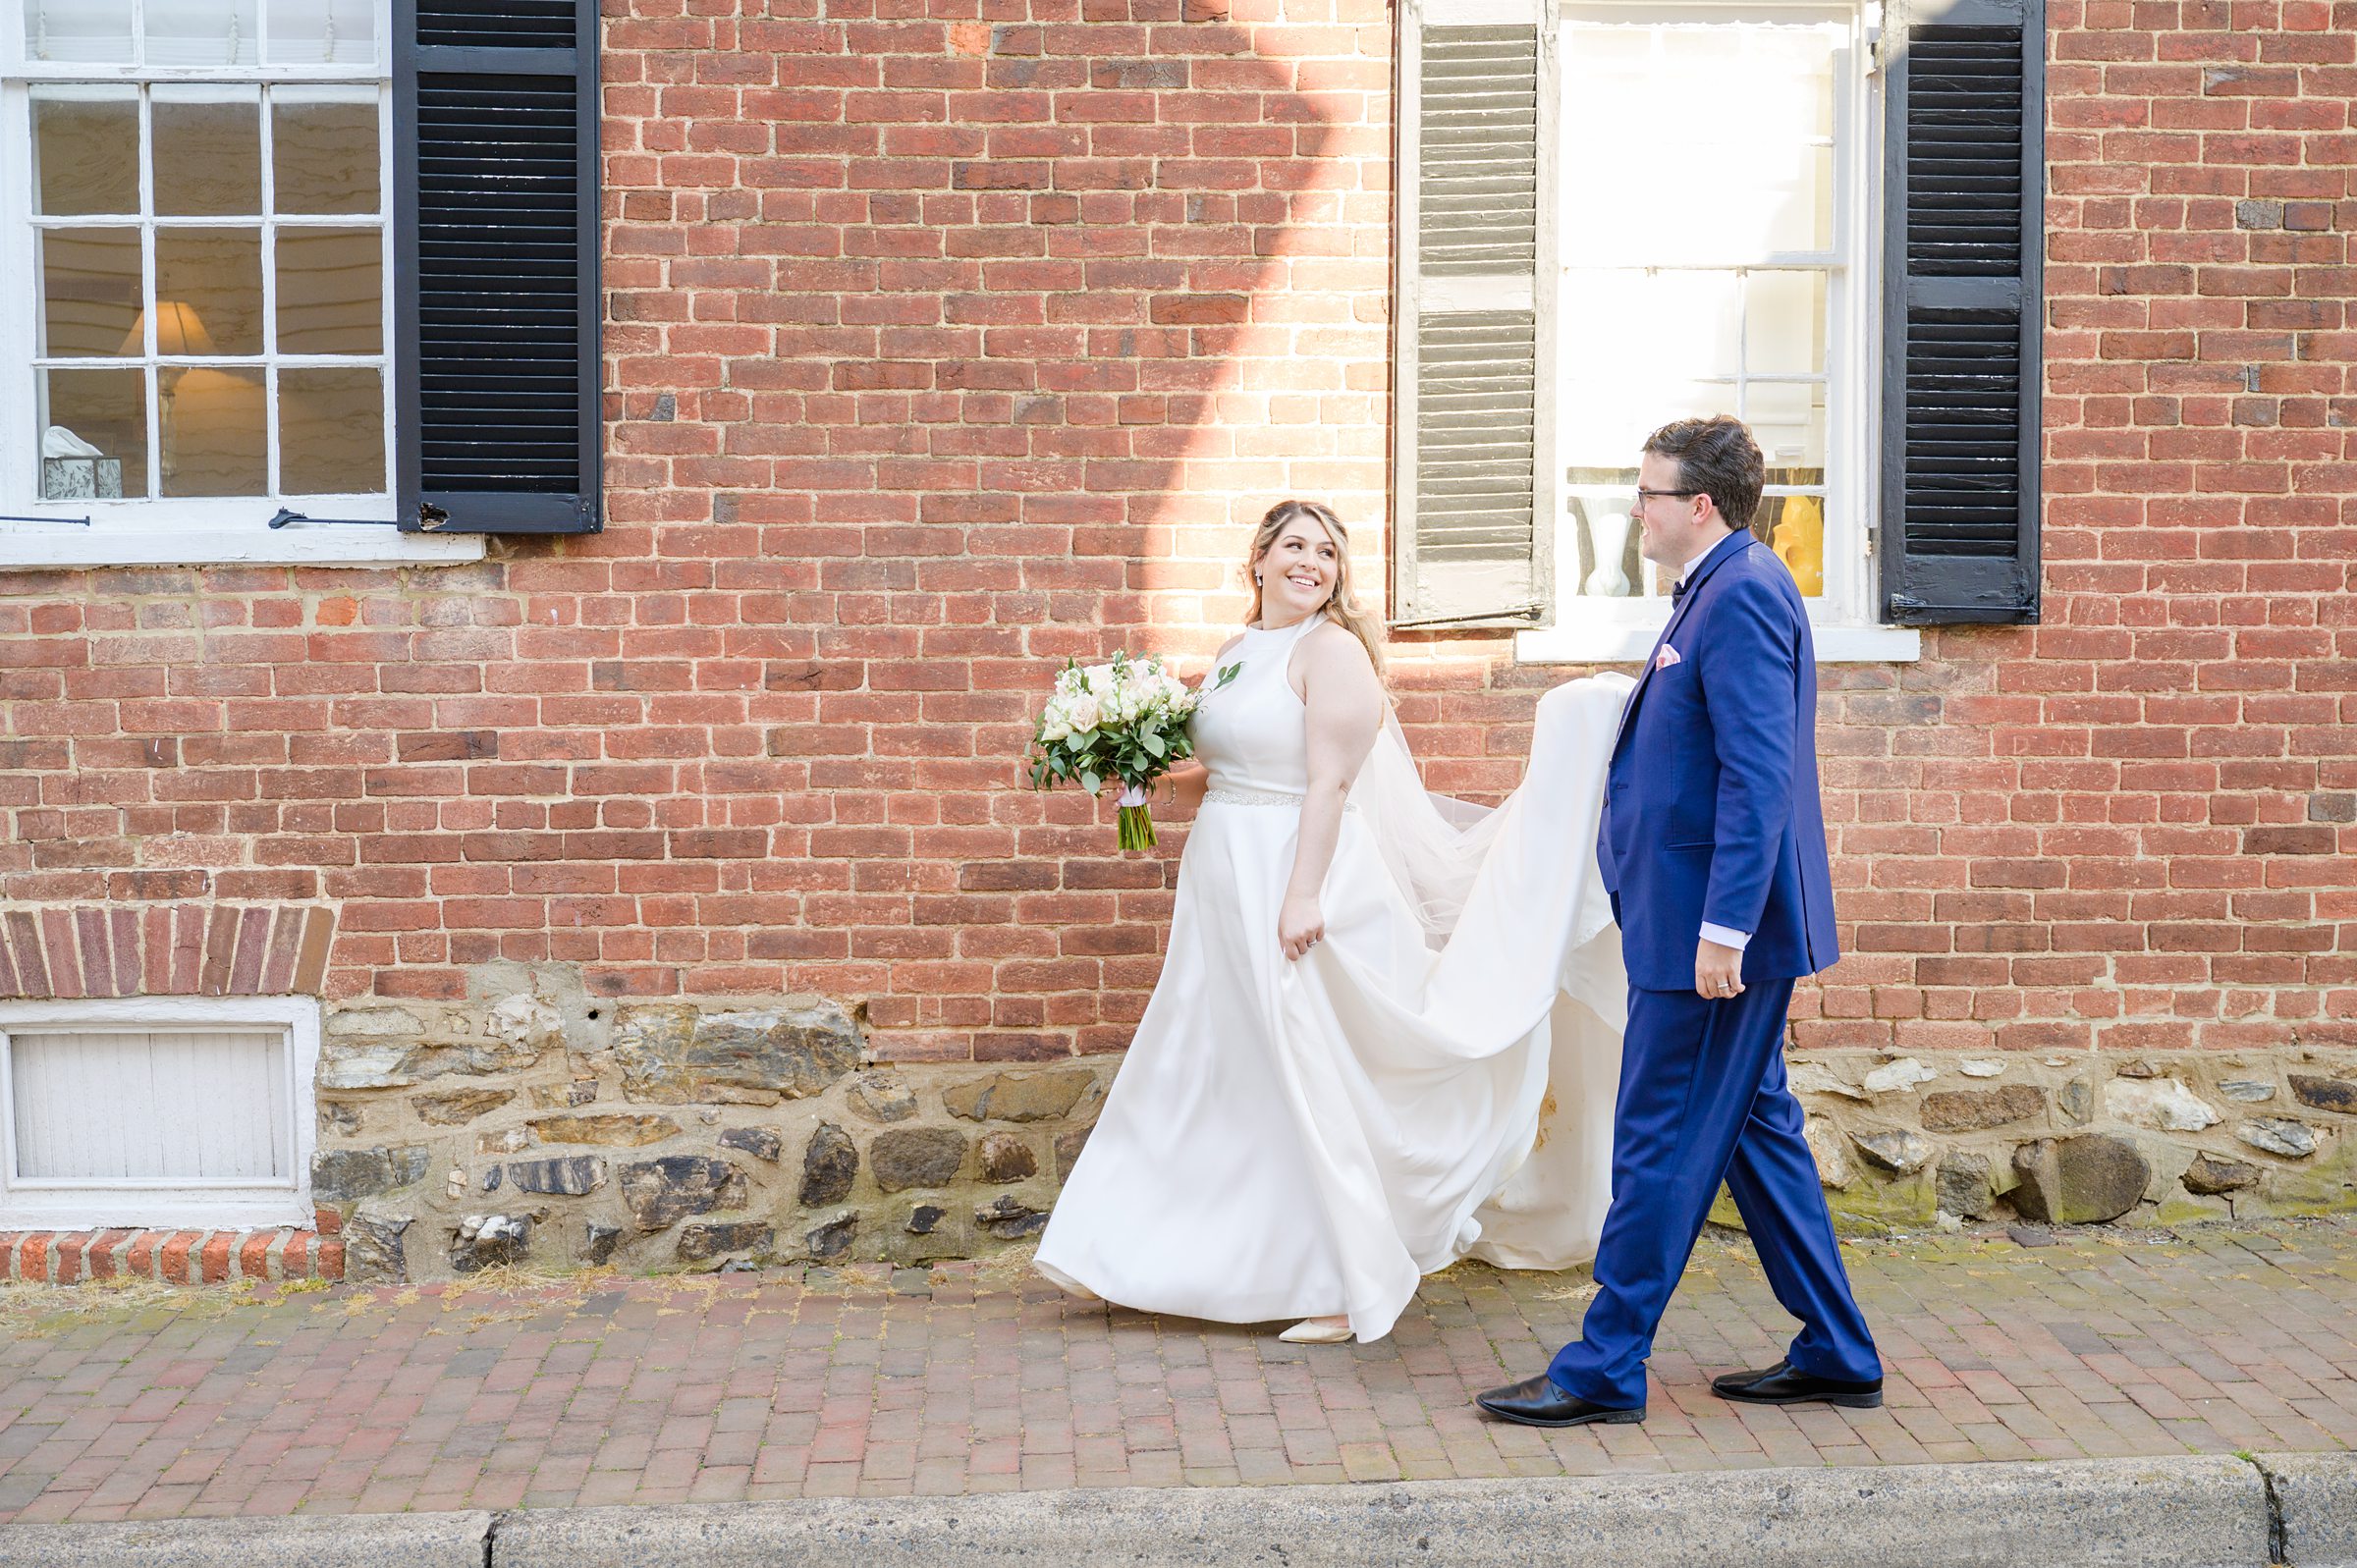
[
  {"x": 1844, "y": 624},
  {"x": 356, "y": 530},
  {"x": 227, "y": 1204}
]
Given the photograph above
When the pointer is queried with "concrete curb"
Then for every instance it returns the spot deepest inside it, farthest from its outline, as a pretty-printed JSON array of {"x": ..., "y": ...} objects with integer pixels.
[
  {"x": 2190, "y": 1512},
  {"x": 310, "y": 1540}
]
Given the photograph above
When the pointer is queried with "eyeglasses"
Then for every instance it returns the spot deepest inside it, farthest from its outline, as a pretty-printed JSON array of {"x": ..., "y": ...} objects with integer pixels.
[{"x": 1644, "y": 495}]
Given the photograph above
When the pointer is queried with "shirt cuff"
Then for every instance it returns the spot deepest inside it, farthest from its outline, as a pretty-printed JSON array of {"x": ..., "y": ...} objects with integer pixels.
[{"x": 1721, "y": 935}]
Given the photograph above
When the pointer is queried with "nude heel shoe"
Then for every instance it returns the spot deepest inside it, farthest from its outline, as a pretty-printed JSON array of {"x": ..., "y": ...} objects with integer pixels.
[{"x": 1317, "y": 1332}]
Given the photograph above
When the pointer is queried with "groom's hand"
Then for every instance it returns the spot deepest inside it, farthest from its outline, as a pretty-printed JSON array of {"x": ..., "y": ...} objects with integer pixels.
[{"x": 1718, "y": 970}]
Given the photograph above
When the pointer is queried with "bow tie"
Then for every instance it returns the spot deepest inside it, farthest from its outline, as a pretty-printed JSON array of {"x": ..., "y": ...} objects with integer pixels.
[{"x": 1677, "y": 591}]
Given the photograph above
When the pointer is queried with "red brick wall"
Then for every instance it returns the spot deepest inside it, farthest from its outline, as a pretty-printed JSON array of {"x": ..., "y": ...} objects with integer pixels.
[{"x": 946, "y": 344}]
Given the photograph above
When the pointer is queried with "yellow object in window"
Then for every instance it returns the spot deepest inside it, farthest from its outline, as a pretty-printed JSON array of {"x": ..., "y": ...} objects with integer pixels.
[{"x": 1799, "y": 543}]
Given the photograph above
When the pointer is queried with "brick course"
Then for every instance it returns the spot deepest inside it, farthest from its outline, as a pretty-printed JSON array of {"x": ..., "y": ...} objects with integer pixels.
[{"x": 949, "y": 338}]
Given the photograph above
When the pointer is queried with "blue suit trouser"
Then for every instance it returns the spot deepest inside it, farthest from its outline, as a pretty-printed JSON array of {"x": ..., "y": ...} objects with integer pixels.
[{"x": 1703, "y": 1099}]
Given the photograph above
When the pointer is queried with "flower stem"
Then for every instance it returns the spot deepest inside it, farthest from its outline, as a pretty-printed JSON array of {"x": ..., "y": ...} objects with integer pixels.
[{"x": 1136, "y": 827}]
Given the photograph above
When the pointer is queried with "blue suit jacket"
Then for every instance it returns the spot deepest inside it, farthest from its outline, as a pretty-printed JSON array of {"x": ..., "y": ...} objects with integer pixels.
[{"x": 1710, "y": 804}]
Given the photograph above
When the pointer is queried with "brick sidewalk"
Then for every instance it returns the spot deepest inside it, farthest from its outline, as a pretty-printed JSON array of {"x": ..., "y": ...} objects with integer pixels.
[{"x": 138, "y": 1404}]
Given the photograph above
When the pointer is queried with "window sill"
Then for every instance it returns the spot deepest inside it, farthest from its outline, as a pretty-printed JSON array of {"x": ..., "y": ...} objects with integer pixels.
[
  {"x": 1610, "y": 644},
  {"x": 32, "y": 549}
]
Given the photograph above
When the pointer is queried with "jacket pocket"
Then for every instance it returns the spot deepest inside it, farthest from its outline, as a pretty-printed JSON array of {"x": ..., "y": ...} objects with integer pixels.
[{"x": 1697, "y": 844}]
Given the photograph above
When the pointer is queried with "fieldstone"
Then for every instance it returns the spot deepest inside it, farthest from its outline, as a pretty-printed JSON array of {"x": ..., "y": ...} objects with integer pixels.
[
  {"x": 1019, "y": 1096},
  {"x": 1007, "y": 1157},
  {"x": 1900, "y": 1076},
  {"x": 698, "y": 1242},
  {"x": 338, "y": 1119},
  {"x": 2210, "y": 1175},
  {"x": 916, "y": 1156},
  {"x": 598, "y": 1243},
  {"x": 1963, "y": 1186},
  {"x": 2085, "y": 1180},
  {"x": 924, "y": 1217},
  {"x": 1010, "y": 1220},
  {"x": 883, "y": 1097},
  {"x": 1898, "y": 1152},
  {"x": 561, "y": 1095},
  {"x": 491, "y": 1179},
  {"x": 502, "y": 1140},
  {"x": 828, "y": 1165},
  {"x": 385, "y": 1064},
  {"x": 672, "y": 1054},
  {"x": 458, "y": 1106},
  {"x": 1815, "y": 1078},
  {"x": 759, "y": 1142},
  {"x": 1980, "y": 1067},
  {"x": 571, "y": 1176},
  {"x": 2076, "y": 1100},
  {"x": 2337, "y": 1095},
  {"x": 1978, "y": 1109},
  {"x": 2278, "y": 1135},
  {"x": 374, "y": 1249},
  {"x": 1068, "y": 1151},
  {"x": 2138, "y": 1069},
  {"x": 663, "y": 1192},
  {"x": 525, "y": 1020},
  {"x": 2162, "y": 1104},
  {"x": 834, "y": 1239},
  {"x": 485, "y": 1241},
  {"x": 1824, "y": 1146},
  {"x": 2247, "y": 1090},
  {"x": 615, "y": 1130},
  {"x": 339, "y": 1175}
]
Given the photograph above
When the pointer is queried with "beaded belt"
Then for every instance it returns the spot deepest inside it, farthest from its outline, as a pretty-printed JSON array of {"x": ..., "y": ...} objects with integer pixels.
[{"x": 1258, "y": 797}]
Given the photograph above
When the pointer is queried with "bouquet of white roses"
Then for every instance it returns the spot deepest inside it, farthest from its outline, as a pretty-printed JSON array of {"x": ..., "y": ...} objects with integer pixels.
[{"x": 1123, "y": 721}]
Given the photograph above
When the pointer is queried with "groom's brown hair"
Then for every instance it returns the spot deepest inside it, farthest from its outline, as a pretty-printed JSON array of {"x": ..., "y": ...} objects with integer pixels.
[{"x": 1715, "y": 458}]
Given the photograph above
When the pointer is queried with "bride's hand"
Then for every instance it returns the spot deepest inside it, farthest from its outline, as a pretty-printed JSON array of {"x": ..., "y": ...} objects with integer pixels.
[
  {"x": 1189, "y": 781},
  {"x": 1299, "y": 925}
]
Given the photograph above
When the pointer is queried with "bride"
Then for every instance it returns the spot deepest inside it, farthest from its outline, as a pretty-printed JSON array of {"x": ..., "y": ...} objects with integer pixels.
[{"x": 1387, "y": 1031}]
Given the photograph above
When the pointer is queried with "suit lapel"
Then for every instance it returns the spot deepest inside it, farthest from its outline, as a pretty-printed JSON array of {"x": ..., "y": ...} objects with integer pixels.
[{"x": 1720, "y": 553}]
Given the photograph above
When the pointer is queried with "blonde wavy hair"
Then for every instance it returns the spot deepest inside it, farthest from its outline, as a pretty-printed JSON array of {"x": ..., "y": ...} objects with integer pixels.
[{"x": 1343, "y": 606}]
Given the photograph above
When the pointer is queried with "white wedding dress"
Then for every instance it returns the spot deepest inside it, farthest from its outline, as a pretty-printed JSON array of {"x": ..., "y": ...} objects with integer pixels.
[{"x": 1434, "y": 1079}]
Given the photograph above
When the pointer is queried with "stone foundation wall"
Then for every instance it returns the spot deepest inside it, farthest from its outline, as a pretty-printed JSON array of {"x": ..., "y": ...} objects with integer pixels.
[
  {"x": 537, "y": 1125},
  {"x": 1940, "y": 1138}
]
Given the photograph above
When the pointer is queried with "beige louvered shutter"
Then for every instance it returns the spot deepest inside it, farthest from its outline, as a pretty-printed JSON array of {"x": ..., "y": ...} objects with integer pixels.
[{"x": 1471, "y": 456}]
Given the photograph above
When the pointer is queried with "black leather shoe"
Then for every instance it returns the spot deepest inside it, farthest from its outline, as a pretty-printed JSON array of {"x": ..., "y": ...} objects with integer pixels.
[
  {"x": 1538, "y": 1402},
  {"x": 1781, "y": 1384}
]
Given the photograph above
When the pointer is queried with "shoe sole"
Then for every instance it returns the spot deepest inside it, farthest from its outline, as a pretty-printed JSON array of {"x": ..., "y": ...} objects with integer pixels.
[
  {"x": 1602, "y": 1417},
  {"x": 1872, "y": 1401}
]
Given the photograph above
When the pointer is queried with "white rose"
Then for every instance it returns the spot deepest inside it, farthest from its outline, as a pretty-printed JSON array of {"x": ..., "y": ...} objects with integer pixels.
[{"x": 1083, "y": 713}]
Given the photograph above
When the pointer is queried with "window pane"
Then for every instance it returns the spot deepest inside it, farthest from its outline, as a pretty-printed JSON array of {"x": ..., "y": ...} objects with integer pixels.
[
  {"x": 1735, "y": 170},
  {"x": 323, "y": 155},
  {"x": 200, "y": 33},
  {"x": 95, "y": 31},
  {"x": 1637, "y": 349},
  {"x": 93, "y": 433},
  {"x": 212, "y": 436},
  {"x": 330, "y": 290},
  {"x": 86, "y": 155},
  {"x": 331, "y": 432},
  {"x": 208, "y": 156},
  {"x": 1784, "y": 324},
  {"x": 90, "y": 293},
  {"x": 306, "y": 33},
  {"x": 214, "y": 279},
  {"x": 1788, "y": 422}
]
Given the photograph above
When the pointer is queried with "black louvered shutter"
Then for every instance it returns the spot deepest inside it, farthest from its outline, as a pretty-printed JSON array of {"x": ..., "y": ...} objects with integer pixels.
[
  {"x": 495, "y": 190},
  {"x": 1473, "y": 545},
  {"x": 1966, "y": 95}
]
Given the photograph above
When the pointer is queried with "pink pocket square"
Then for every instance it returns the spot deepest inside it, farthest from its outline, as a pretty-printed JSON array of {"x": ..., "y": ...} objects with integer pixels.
[{"x": 1667, "y": 657}]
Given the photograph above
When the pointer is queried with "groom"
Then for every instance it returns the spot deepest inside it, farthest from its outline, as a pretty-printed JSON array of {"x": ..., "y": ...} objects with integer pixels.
[{"x": 1713, "y": 848}]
